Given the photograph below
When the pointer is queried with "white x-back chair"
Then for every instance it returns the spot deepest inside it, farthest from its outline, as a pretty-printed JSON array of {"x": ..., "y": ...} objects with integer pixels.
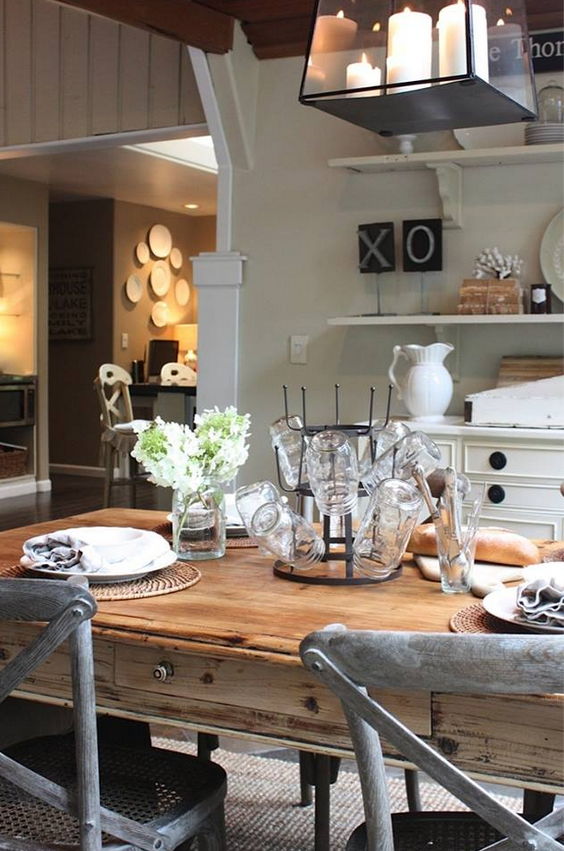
[
  {"x": 349, "y": 663},
  {"x": 178, "y": 373},
  {"x": 52, "y": 788}
]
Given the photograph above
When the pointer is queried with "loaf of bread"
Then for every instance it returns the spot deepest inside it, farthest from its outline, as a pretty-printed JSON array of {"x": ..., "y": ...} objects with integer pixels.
[{"x": 492, "y": 544}]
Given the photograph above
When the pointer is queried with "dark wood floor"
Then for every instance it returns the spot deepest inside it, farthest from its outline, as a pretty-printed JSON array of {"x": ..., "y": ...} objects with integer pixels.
[{"x": 70, "y": 495}]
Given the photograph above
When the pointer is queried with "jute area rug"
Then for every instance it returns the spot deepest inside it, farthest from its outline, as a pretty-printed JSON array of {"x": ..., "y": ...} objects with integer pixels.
[{"x": 263, "y": 793}]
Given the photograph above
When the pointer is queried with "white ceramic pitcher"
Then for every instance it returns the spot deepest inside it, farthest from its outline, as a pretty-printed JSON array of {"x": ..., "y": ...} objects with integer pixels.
[{"x": 426, "y": 388}]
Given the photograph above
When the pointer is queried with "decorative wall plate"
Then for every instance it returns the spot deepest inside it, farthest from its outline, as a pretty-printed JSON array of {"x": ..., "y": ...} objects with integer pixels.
[
  {"x": 160, "y": 240},
  {"x": 134, "y": 288},
  {"x": 176, "y": 258},
  {"x": 552, "y": 254},
  {"x": 182, "y": 292},
  {"x": 160, "y": 278},
  {"x": 159, "y": 314},
  {"x": 142, "y": 253}
]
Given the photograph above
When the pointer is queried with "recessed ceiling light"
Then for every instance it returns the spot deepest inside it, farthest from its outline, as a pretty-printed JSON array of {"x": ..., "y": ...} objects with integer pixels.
[{"x": 191, "y": 206}]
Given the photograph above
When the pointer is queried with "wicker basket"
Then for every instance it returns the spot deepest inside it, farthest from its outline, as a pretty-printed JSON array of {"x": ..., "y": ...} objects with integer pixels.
[{"x": 13, "y": 461}]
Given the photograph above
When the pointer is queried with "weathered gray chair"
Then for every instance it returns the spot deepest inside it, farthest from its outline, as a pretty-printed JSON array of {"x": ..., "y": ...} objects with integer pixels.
[
  {"x": 66, "y": 792},
  {"x": 351, "y": 662}
]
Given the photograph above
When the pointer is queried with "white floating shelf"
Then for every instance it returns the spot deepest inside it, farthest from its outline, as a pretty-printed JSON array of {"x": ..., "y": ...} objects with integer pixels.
[
  {"x": 438, "y": 320},
  {"x": 517, "y": 155}
]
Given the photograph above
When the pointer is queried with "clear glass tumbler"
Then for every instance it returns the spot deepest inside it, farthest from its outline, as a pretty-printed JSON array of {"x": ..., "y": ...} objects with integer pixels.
[
  {"x": 400, "y": 459},
  {"x": 456, "y": 560},
  {"x": 386, "y": 527},
  {"x": 383, "y": 436},
  {"x": 289, "y": 445},
  {"x": 287, "y": 535},
  {"x": 333, "y": 473}
]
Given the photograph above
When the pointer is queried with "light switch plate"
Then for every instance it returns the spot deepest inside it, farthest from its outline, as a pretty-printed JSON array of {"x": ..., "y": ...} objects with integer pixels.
[
  {"x": 298, "y": 349},
  {"x": 124, "y": 341}
]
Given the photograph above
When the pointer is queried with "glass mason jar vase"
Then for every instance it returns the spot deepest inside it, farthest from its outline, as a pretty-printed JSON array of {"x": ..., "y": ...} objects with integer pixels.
[
  {"x": 198, "y": 525},
  {"x": 286, "y": 437},
  {"x": 287, "y": 535},
  {"x": 333, "y": 473}
]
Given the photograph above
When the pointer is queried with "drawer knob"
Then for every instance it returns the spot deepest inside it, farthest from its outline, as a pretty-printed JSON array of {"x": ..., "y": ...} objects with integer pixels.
[
  {"x": 163, "y": 672},
  {"x": 498, "y": 460},
  {"x": 496, "y": 494}
]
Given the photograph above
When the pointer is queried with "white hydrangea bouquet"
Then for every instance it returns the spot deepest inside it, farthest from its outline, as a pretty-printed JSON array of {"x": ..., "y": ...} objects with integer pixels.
[{"x": 196, "y": 464}]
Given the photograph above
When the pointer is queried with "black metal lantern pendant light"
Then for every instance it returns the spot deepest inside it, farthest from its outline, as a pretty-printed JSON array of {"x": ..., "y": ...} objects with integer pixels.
[{"x": 415, "y": 67}]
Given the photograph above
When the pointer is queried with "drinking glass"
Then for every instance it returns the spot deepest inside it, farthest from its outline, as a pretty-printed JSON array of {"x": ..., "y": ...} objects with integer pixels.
[
  {"x": 250, "y": 497},
  {"x": 333, "y": 473},
  {"x": 456, "y": 559},
  {"x": 384, "y": 435},
  {"x": 285, "y": 534},
  {"x": 386, "y": 527},
  {"x": 400, "y": 459},
  {"x": 289, "y": 445}
]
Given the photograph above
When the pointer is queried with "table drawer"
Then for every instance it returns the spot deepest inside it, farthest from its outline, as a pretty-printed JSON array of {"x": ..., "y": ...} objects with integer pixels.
[{"x": 518, "y": 461}]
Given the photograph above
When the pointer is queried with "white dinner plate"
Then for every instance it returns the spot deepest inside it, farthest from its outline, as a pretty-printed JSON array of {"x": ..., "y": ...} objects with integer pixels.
[
  {"x": 552, "y": 254},
  {"x": 142, "y": 253},
  {"x": 502, "y": 604},
  {"x": 546, "y": 570},
  {"x": 134, "y": 288},
  {"x": 182, "y": 292},
  {"x": 176, "y": 258},
  {"x": 118, "y": 572},
  {"x": 160, "y": 241},
  {"x": 160, "y": 278},
  {"x": 159, "y": 314}
]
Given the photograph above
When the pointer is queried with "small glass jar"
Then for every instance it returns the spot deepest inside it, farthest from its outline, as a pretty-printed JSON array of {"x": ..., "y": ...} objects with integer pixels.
[
  {"x": 541, "y": 298},
  {"x": 383, "y": 435},
  {"x": 287, "y": 535},
  {"x": 386, "y": 527},
  {"x": 198, "y": 525},
  {"x": 456, "y": 561},
  {"x": 286, "y": 436},
  {"x": 400, "y": 459},
  {"x": 333, "y": 473}
]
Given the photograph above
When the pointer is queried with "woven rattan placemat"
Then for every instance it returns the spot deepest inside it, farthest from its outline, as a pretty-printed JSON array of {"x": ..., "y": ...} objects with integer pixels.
[
  {"x": 176, "y": 577},
  {"x": 165, "y": 529},
  {"x": 475, "y": 619}
]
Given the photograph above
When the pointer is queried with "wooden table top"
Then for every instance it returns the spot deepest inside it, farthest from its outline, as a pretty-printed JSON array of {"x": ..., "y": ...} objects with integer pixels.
[{"x": 240, "y": 606}]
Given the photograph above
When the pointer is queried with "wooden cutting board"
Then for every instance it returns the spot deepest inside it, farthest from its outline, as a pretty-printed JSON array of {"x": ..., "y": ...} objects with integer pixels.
[{"x": 519, "y": 370}]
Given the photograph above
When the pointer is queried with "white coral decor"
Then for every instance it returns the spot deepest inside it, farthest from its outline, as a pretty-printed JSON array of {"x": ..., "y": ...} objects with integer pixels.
[
  {"x": 491, "y": 263},
  {"x": 190, "y": 461}
]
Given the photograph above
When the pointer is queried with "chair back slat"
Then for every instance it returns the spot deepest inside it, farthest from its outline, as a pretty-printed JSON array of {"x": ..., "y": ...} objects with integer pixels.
[
  {"x": 349, "y": 662},
  {"x": 38, "y": 600},
  {"x": 115, "y": 407}
]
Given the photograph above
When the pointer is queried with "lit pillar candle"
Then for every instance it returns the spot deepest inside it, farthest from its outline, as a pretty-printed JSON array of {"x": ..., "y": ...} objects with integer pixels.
[
  {"x": 362, "y": 75},
  {"x": 333, "y": 33},
  {"x": 315, "y": 77},
  {"x": 410, "y": 45},
  {"x": 507, "y": 63},
  {"x": 452, "y": 40}
]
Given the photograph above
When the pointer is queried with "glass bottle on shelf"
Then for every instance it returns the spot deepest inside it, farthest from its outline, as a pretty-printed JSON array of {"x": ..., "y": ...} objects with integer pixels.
[{"x": 551, "y": 104}]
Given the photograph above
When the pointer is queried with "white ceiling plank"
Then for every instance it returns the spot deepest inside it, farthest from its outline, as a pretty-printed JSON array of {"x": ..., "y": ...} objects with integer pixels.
[
  {"x": 164, "y": 82},
  {"x": 45, "y": 70},
  {"x": 74, "y": 73},
  {"x": 17, "y": 33},
  {"x": 134, "y": 79},
  {"x": 104, "y": 76}
]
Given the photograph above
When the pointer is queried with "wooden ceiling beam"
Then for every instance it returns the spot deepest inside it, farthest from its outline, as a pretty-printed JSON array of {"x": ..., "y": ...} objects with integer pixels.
[
  {"x": 181, "y": 20},
  {"x": 252, "y": 11}
]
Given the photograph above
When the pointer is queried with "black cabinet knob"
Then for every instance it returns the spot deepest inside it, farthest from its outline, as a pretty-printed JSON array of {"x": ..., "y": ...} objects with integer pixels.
[
  {"x": 498, "y": 460},
  {"x": 496, "y": 494}
]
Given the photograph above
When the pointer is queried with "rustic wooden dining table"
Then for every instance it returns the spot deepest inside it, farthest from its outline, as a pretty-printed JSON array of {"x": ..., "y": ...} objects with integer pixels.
[{"x": 228, "y": 649}]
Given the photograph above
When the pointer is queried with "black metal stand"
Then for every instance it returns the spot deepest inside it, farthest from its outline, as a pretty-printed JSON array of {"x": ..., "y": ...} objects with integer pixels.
[{"x": 332, "y": 573}]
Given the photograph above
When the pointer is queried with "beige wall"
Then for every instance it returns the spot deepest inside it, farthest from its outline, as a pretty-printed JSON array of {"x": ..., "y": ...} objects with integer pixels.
[
  {"x": 17, "y": 299},
  {"x": 25, "y": 203},
  {"x": 81, "y": 235},
  {"x": 295, "y": 219},
  {"x": 191, "y": 234}
]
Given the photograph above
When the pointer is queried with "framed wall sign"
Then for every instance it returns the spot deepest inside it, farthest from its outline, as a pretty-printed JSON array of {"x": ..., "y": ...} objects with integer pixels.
[
  {"x": 376, "y": 247},
  {"x": 70, "y": 304},
  {"x": 547, "y": 51},
  {"x": 423, "y": 245}
]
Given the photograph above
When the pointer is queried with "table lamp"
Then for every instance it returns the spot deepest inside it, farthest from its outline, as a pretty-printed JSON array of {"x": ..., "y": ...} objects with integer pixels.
[{"x": 187, "y": 336}]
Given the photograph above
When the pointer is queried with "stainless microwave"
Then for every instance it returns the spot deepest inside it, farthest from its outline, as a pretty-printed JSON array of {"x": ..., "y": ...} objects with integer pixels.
[{"x": 17, "y": 401}]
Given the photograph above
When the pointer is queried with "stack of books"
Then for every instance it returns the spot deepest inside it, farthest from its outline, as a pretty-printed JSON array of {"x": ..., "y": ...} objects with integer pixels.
[{"x": 492, "y": 295}]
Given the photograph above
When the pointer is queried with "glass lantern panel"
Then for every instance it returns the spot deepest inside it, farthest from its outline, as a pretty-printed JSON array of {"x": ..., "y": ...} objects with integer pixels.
[{"x": 509, "y": 51}]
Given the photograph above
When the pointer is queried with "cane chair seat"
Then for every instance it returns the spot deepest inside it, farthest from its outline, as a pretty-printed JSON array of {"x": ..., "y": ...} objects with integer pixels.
[
  {"x": 436, "y": 831},
  {"x": 150, "y": 786}
]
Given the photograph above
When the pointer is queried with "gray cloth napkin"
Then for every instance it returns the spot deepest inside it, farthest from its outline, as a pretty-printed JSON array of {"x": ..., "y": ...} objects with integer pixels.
[
  {"x": 61, "y": 551},
  {"x": 542, "y": 602}
]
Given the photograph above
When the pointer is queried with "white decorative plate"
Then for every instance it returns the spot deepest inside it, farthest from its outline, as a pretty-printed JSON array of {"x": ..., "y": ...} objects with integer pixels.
[
  {"x": 499, "y": 136},
  {"x": 160, "y": 277},
  {"x": 160, "y": 240},
  {"x": 176, "y": 258},
  {"x": 552, "y": 254},
  {"x": 115, "y": 573},
  {"x": 142, "y": 253},
  {"x": 182, "y": 292},
  {"x": 134, "y": 288},
  {"x": 502, "y": 604},
  {"x": 159, "y": 314}
]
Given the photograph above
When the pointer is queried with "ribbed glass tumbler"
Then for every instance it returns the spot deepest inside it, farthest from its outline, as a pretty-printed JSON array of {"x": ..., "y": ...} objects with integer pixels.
[
  {"x": 333, "y": 473},
  {"x": 386, "y": 527},
  {"x": 287, "y": 535}
]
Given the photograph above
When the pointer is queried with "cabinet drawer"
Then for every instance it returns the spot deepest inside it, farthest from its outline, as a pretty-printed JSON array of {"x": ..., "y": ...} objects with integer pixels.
[
  {"x": 547, "y": 527},
  {"x": 448, "y": 452},
  {"x": 528, "y": 462},
  {"x": 521, "y": 496}
]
